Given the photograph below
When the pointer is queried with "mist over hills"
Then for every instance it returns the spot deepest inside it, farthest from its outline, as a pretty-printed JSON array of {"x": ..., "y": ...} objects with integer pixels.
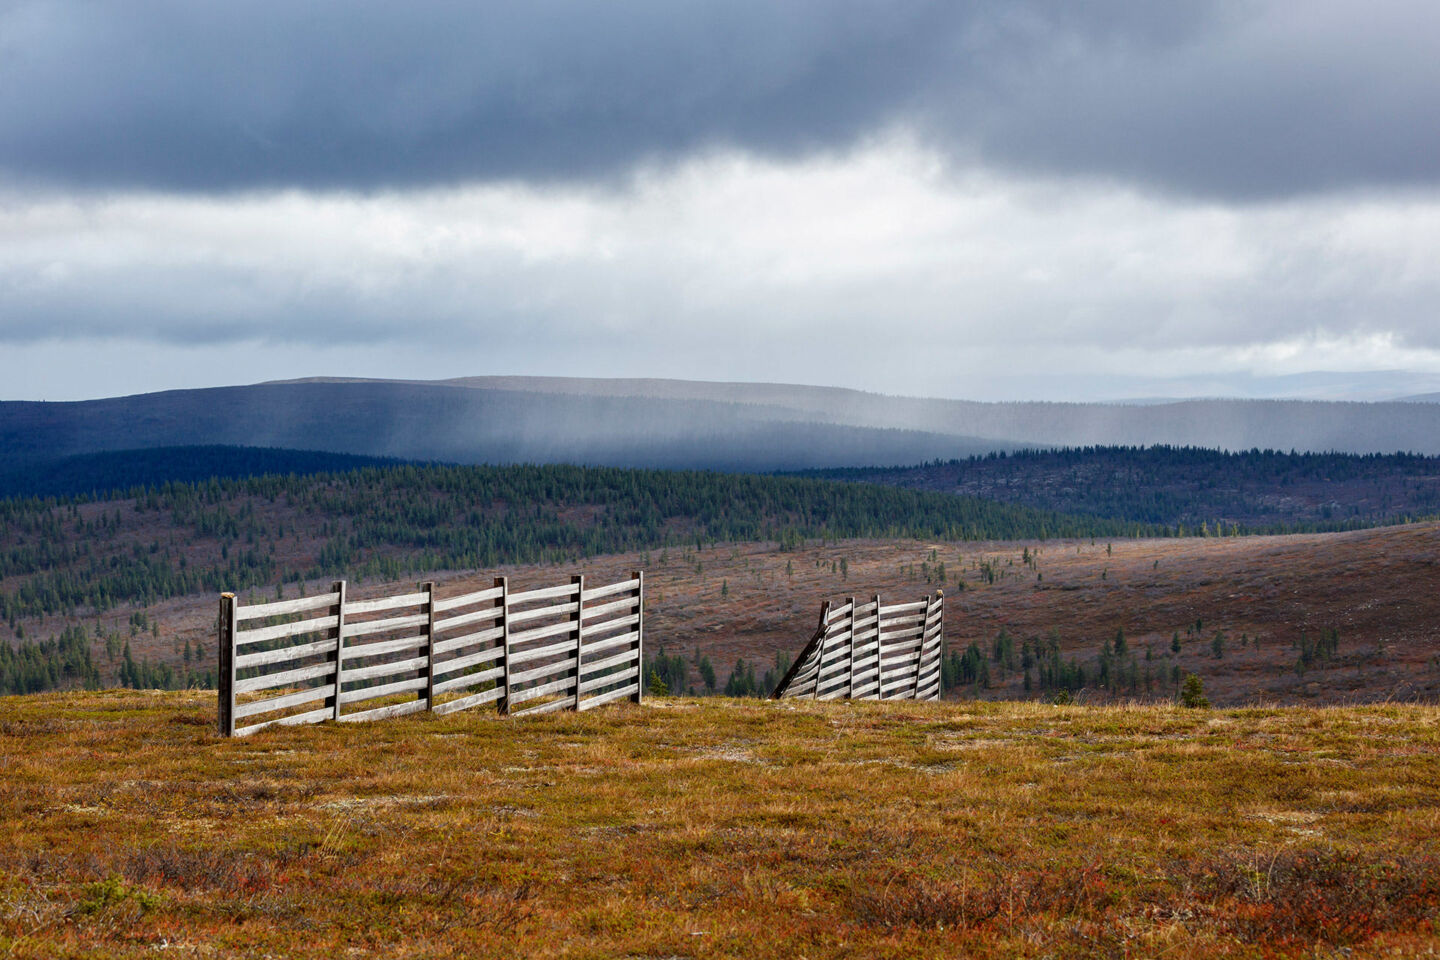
[{"x": 678, "y": 424}]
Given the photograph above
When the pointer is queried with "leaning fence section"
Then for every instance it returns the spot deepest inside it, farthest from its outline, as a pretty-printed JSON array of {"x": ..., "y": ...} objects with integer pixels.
[
  {"x": 870, "y": 651},
  {"x": 331, "y": 657}
]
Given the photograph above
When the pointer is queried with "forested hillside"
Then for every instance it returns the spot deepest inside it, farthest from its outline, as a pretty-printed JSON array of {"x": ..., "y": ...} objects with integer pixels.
[
  {"x": 1261, "y": 490},
  {"x": 233, "y": 534}
]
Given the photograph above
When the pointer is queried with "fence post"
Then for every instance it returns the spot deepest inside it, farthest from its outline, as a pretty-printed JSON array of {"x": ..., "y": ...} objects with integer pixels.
[
  {"x": 940, "y": 629},
  {"x": 850, "y": 654},
  {"x": 820, "y": 656},
  {"x": 338, "y": 588},
  {"x": 920, "y": 650},
  {"x": 579, "y": 581},
  {"x": 639, "y": 575},
  {"x": 428, "y": 588},
  {"x": 503, "y": 704},
  {"x": 225, "y": 675},
  {"x": 877, "y": 646}
]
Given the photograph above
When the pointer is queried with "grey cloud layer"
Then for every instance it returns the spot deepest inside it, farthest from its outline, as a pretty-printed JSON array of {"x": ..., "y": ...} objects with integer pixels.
[{"x": 1233, "y": 100}]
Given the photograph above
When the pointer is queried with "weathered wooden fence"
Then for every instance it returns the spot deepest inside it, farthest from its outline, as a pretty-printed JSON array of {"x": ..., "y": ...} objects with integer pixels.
[
  {"x": 554, "y": 648},
  {"x": 868, "y": 651}
]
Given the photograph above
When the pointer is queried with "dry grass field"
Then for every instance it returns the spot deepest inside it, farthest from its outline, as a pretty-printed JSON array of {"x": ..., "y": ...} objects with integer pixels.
[{"x": 721, "y": 828}]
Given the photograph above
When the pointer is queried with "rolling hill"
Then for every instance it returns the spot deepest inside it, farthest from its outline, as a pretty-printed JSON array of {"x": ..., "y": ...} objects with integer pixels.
[{"x": 678, "y": 424}]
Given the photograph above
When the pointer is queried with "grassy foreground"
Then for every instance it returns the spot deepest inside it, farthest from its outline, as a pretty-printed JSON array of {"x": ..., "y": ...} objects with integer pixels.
[{"x": 720, "y": 828}]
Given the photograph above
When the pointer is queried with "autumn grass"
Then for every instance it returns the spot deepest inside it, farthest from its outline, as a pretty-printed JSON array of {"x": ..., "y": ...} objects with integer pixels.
[{"x": 720, "y": 828}]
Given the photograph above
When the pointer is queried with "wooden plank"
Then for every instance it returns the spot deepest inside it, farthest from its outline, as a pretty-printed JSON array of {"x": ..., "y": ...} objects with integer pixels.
[
  {"x": 518, "y": 657},
  {"x": 384, "y": 690},
  {"x": 866, "y": 649},
  {"x": 535, "y": 673},
  {"x": 544, "y": 593},
  {"x": 295, "y": 652},
  {"x": 353, "y": 630},
  {"x": 905, "y": 668},
  {"x": 539, "y": 690},
  {"x": 384, "y": 713},
  {"x": 377, "y": 604},
  {"x": 610, "y": 589},
  {"x": 902, "y": 608},
  {"x": 284, "y": 678},
  {"x": 901, "y": 649},
  {"x": 597, "y": 682},
  {"x": 313, "y": 716},
  {"x": 601, "y": 699},
  {"x": 360, "y": 651},
  {"x": 610, "y": 643},
  {"x": 384, "y": 669},
  {"x": 468, "y": 680},
  {"x": 225, "y": 669},
  {"x": 550, "y": 707},
  {"x": 469, "y": 660},
  {"x": 465, "y": 619},
  {"x": 466, "y": 599},
  {"x": 280, "y": 607},
  {"x": 282, "y": 630},
  {"x": 474, "y": 700},
  {"x": 863, "y": 690},
  {"x": 503, "y": 602},
  {"x": 540, "y": 613},
  {"x": 626, "y": 604},
  {"x": 617, "y": 623},
  {"x": 270, "y": 704},
  {"x": 616, "y": 661},
  {"x": 468, "y": 640},
  {"x": 540, "y": 633}
]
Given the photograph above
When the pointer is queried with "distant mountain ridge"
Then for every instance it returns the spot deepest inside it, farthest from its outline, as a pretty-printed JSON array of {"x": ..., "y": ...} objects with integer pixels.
[{"x": 677, "y": 424}]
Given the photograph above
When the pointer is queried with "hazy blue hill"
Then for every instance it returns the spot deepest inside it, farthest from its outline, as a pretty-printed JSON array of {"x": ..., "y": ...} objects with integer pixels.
[
  {"x": 677, "y": 424},
  {"x": 464, "y": 425}
]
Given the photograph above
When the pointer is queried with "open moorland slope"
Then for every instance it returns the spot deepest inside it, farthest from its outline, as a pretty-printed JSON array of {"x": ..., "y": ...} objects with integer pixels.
[
  {"x": 720, "y": 828},
  {"x": 1269, "y": 599},
  {"x": 1331, "y": 617}
]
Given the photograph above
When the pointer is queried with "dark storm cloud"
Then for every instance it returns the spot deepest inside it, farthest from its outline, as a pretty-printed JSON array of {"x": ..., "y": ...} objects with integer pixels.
[{"x": 1218, "y": 98}]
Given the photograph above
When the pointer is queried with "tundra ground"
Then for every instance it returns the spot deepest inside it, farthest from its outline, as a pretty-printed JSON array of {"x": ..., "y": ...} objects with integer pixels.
[{"x": 715, "y": 827}]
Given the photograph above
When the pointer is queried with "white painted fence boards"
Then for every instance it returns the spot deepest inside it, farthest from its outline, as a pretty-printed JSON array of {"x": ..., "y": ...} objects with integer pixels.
[
  {"x": 282, "y": 630},
  {"x": 598, "y": 637},
  {"x": 871, "y": 650},
  {"x": 279, "y": 607}
]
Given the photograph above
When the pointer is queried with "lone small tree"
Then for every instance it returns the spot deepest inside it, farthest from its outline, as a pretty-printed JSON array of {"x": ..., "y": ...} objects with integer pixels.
[{"x": 1192, "y": 693}]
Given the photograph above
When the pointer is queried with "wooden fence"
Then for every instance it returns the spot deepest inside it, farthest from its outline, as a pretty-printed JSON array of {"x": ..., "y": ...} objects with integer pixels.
[
  {"x": 868, "y": 651},
  {"x": 555, "y": 648}
]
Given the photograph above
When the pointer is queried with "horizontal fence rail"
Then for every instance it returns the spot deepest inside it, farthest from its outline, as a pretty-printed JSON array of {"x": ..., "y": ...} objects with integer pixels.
[
  {"x": 330, "y": 657},
  {"x": 870, "y": 651}
]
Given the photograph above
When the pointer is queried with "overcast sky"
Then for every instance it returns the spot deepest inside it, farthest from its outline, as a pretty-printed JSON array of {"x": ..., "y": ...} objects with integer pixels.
[{"x": 989, "y": 200}]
